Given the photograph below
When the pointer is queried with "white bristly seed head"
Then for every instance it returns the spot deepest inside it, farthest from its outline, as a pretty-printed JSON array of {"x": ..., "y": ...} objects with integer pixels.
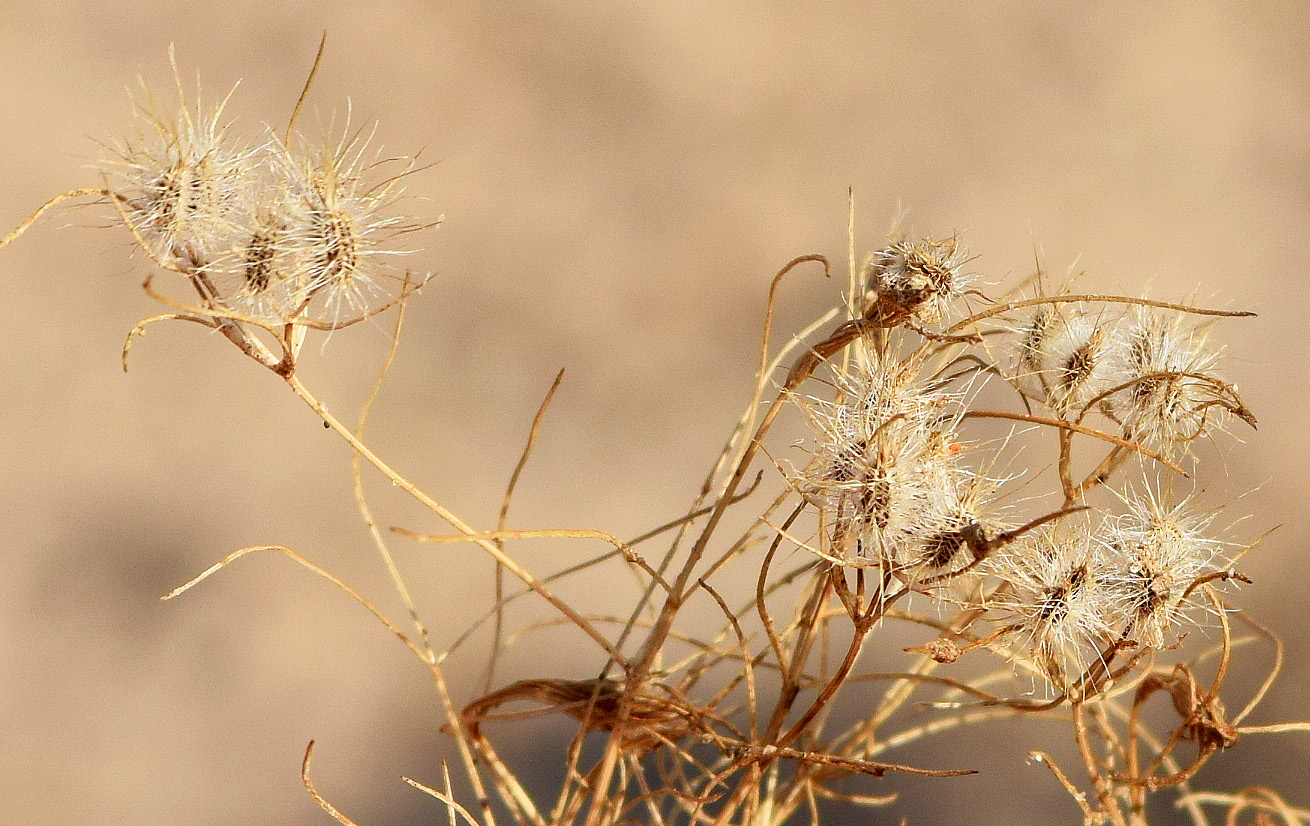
[
  {"x": 271, "y": 232},
  {"x": 1171, "y": 399},
  {"x": 1059, "y": 601},
  {"x": 1156, "y": 554},
  {"x": 182, "y": 182},
  {"x": 338, "y": 224},
  {"x": 1075, "y": 357},
  {"x": 885, "y": 466}
]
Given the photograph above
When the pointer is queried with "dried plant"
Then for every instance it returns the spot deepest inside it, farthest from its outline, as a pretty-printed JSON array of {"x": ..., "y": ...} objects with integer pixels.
[{"x": 1054, "y": 571}]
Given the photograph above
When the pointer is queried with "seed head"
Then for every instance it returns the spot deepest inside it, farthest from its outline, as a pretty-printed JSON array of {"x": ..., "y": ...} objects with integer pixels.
[
  {"x": 914, "y": 279},
  {"x": 1075, "y": 357},
  {"x": 955, "y": 531},
  {"x": 182, "y": 181},
  {"x": 885, "y": 463},
  {"x": 276, "y": 232},
  {"x": 1156, "y": 554},
  {"x": 1059, "y": 603},
  {"x": 335, "y": 224},
  {"x": 1171, "y": 397}
]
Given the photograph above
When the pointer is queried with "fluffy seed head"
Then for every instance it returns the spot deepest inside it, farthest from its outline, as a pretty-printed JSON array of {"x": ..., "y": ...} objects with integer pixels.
[
  {"x": 914, "y": 279},
  {"x": 1171, "y": 399},
  {"x": 885, "y": 469},
  {"x": 1157, "y": 553},
  {"x": 337, "y": 224},
  {"x": 955, "y": 530},
  {"x": 274, "y": 232},
  {"x": 1075, "y": 357},
  {"x": 1058, "y": 603},
  {"x": 260, "y": 276},
  {"x": 181, "y": 182}
]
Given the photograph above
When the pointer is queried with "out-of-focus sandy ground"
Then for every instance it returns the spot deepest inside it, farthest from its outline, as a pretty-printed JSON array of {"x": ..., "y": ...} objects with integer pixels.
[{"x": 620, "y": 181}]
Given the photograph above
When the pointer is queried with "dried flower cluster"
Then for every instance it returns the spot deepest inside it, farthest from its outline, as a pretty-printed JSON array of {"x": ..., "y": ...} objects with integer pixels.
[
  {"x": 903, "y": 491},
  {"x": 278, "y": 230},
  {"x": 1145, "y": 370},
  {"x": 1080, "y": 569}
]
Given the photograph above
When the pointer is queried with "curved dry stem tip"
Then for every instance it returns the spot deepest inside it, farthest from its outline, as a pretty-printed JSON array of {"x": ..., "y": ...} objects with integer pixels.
[
  {"x": 235, "y": 555},
  {"x": 304, "y": 92},
  {"x": 527, "y": 449},
  {"x": 208, "y": 572},
  {"x": 317, "y": 571},
  {"x": 48, "y": 205},
  {"x": 318, "y": 798},
  {"x": 139, "y": 329},
  {"x": 1274, "y": 669}
]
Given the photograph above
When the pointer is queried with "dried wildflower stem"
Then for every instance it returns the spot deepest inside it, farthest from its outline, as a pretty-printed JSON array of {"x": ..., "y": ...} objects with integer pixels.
[
  {"x": 357, "y": 477},
  {"x": 1042, "y": 757},
  {"x": 748, "y": 668},
  {"x": 447, "y": 516},
  {"x": 318, "y": 798},
  {"x": 461, "y": 743},
  {"x": 761, "y": 606},
  {"x": 446, "y": 798},
  {"x": 511, "y": 792},
  {"x": 139, "y": 329},
  {"x": 304, "y": 92},
  {"x": 500, "y": 536},
  {"x": 1061, "y": 424},
  {"x": 312, "y": 568},
  {"x": 765, "y": 369},
  {"x": 546, "y": 580},
  {"x": 1104, "y": 792},
  {"x": 769, "y": 753},
  {"x": 831, "y": 687},
  {"x": 1010, "y": 306},
  {"x": 1099, "y": 475},
  {"x": 1227, "y": 393},
  {"x": 498, "y": 630},
  {"x": 804, "y": 625},
  {"x": 574, "y": 569},
  {"x": 53, "y": 202},
  {"x": 899, "y": 692},
  {"x": 423, "y": 655}
]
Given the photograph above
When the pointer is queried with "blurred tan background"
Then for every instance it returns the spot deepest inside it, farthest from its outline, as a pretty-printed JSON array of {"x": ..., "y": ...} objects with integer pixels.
[{"x": 620, "y": 182}]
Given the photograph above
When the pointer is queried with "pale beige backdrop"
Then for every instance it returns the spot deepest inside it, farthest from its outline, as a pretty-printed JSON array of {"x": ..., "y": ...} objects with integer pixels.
[{"x": 620, "y": 180}]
